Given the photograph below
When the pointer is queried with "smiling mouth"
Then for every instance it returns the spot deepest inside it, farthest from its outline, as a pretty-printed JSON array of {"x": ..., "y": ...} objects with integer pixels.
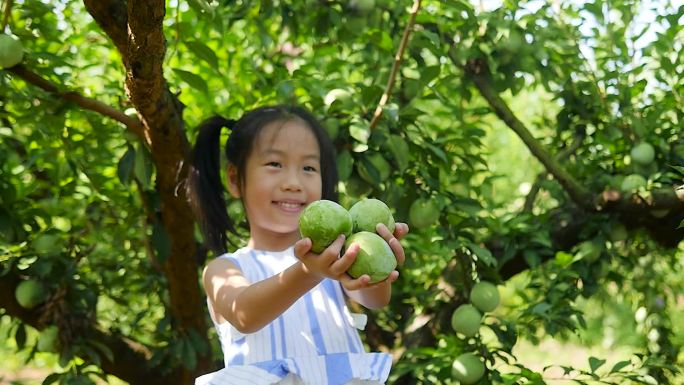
[{"x": 290, "y": 206}]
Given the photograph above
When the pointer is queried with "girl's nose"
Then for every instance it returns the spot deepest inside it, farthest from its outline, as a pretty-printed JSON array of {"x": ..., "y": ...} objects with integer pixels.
[{"x": 291, "y": 182}]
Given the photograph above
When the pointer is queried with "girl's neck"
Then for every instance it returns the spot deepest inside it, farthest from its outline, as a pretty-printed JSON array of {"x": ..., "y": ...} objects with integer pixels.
[{"x": 274, "y": 242}]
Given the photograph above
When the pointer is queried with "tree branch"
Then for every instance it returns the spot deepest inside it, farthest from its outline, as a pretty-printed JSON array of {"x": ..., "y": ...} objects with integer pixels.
[
  {"x": 33, "y": 78},
  {"x": 395, "y": 66},
  {"x": 479, "y": 74},
  {"x": 7, "y": 13},
  {"x": 562, "y": 155},
  {"x": 112, "y": 17}
]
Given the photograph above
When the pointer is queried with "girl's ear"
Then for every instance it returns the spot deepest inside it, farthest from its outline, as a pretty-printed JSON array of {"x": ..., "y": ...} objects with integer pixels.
[{"x": 233, "y": 181}]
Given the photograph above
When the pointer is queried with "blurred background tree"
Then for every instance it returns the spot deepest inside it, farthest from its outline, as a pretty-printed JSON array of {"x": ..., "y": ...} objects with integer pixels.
[{"x": 533, "y": 144}]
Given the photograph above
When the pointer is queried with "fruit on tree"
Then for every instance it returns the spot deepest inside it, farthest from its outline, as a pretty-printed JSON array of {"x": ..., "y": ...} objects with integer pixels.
[
  {"x": 485, "y": 296},
  {"x": 466, "y": 320},
  {"x": 30, "y": 293},
  {"x": 423, "y": 213},
  {"x": 589, "y": 250},
  {"x": 323, "y": 221},
  {"x": 632, "y": 182},
  {"x": 367, "y": 213},
  {"x": 357, "y": 187},
  {"x": 467, "y": 368},
  {"x": 643, "y": 153},
  {"x": 11, "y": 51},
  {"x": 48, "y": 340},
  {"x": 618, "y": 233},
  {"x": 375, "y": 257}
]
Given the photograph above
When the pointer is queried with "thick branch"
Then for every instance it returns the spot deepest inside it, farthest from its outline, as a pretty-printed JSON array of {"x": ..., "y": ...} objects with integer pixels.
[
  {"x": 479, "y": 74},
  {"x": 33, "y": 78},
  {"x": 561, "y": 156},
  {"x": 395, "y": 66},
  {"x": 112, "y": 17},
  {"x": 130, "y": 358}
]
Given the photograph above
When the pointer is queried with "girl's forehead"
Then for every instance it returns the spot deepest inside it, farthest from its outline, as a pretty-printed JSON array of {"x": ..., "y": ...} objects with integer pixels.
[{"x": 286, "y": 134}]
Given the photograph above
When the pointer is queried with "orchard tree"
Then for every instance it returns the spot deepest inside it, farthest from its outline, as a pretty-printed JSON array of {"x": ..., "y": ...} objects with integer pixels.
[{"x": 99, "y": 101}]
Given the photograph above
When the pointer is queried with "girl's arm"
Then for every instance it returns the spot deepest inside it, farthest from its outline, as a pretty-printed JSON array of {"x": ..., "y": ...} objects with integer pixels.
[
  {"x": 251, "y": 306},
  {"x": 378, "y": 295}
]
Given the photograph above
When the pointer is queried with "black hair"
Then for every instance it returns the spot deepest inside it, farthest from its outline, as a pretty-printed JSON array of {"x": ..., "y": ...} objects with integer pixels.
[{"x": 206, "y": 190}]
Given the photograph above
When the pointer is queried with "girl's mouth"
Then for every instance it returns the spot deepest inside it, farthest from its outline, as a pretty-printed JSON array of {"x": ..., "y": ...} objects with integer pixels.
[{"x": 293, "y": 207}]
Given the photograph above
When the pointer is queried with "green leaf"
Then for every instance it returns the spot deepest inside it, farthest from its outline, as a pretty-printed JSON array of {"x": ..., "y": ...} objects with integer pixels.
[
  {"x": 620, "y": 365},
  {"x": 51, "y": 378},
  {"x": 359, "y": 131},
  {"x": 399, "y": 149},
  {"x": 681, "y": 224},
  {"x": 161, "y": 241},
  {"x": 541, "y": 308},
  {"x": 104, "y": 349},
  {"x": 20, "y": 336},
  {"x": 203, "y": 52},
  {"x": 143, "y": 166},
  {"x": 483, "y": 254},
  {"x": 595, "y": 363},
  {"x": 125, "y": 167},
  {"x": 345, "y": 164},
  {"x": 194, "y": 81}
]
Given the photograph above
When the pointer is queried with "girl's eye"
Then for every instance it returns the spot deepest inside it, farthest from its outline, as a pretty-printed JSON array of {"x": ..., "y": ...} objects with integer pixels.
[
  {"x": 273, "y": 164},
  {"x": 309, "y": 168}
]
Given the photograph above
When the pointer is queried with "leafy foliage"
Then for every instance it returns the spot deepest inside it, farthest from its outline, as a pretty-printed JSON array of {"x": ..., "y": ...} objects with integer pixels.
[{"x": 85, "y": 203}]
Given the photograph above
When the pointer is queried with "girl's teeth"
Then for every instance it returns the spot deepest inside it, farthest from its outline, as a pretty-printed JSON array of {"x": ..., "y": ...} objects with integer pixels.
[{"x": 289, "y": 205}]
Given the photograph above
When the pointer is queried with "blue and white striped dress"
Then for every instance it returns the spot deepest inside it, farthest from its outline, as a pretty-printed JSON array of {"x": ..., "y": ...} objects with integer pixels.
[{"x": 315, "y": 339}]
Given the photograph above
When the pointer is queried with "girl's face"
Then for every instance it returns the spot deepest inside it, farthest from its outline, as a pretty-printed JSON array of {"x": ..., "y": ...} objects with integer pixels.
[{"x": 282, "y": 176}]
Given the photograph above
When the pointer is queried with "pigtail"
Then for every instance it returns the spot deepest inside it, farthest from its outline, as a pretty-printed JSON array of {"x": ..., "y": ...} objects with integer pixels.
[{"x": 206, "y": 191}]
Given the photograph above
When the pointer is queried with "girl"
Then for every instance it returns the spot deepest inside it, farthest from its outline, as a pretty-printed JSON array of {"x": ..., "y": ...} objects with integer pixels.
[{"x": 278, "y": 308}]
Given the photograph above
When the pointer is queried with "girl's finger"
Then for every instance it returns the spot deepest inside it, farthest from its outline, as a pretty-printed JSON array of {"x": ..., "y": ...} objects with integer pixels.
[
  {"x": 302, "y": 247},
  {"x": 341, "y": 266},
  {"x": 398, "y": 251},
  {"x": 400, "y": 230},
  {"x": 350, "y": 283},
  {"x": 393, "y": 242},
  {"x": 332, "y": 252}
]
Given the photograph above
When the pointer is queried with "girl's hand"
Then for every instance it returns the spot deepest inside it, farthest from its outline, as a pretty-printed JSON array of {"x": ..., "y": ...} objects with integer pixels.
[
  {"x": 400, "y": 230},
  {"x": 329, "y": 264}
]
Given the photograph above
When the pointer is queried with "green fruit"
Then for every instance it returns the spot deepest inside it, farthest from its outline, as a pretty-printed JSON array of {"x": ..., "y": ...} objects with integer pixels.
[
  {"x": 48, "y": 339},
  {"x": 632, "y": 182},
  {"x": 357, "y": 187},
  {"x": 423, "y": 213},
  {"x": 485, "y": 296},
  {"x": 618, "y": 233},
  {"x": 466, "y": 320},
  {"x": 11, "y": 51},
  {"x": 643, "y": 153},
  {"x": 589, "y": 250},
  {"x": 323, "y": 221},
  {"x": 30, "y": 293},
  {"x": 47, "y": 244},
  {"x": 467, "y": 368},
  {"x": 375, "y": 257},
  {"x": 367, "y": 213}
]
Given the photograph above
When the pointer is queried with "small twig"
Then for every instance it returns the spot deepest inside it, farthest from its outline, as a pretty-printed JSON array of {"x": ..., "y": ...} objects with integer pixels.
[
  {"x": 396, "y": 64},
  {"x": 33, "y": 78},
  {"x": 6, "y": 15}
]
